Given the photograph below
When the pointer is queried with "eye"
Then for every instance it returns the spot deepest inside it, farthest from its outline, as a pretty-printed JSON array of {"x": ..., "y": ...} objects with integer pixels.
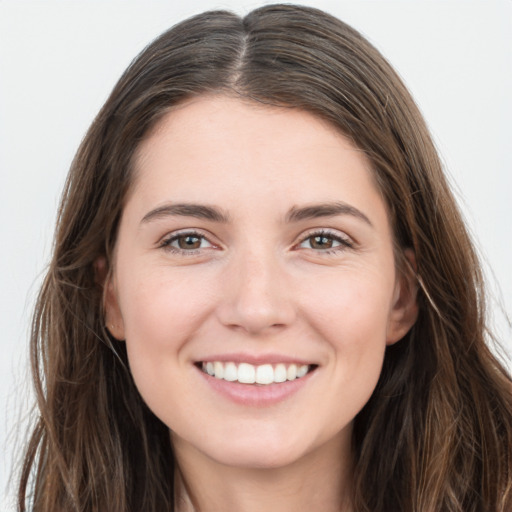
[
  {"x": 186, "y": 242},
  {"x": 325, "y": 241}
]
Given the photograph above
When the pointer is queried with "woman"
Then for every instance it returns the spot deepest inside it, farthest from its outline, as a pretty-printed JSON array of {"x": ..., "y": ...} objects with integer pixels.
[{"x": 262, "y": 294}]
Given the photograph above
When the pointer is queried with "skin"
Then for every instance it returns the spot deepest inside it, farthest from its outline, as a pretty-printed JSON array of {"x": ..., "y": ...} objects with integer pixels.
[{"x": 258, "y": 285}]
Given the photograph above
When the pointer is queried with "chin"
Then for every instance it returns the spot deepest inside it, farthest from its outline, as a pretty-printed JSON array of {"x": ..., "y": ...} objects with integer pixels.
[
  {"x": 258, "y": 451},
  {"x": 258, "y": 458}
]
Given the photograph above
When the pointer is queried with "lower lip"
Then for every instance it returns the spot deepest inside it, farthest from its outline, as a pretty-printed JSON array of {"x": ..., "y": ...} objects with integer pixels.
[{"x": 256, "y": 395}]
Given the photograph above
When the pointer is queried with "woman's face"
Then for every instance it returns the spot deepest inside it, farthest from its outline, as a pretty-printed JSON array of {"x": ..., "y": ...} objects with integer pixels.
[{"x": 255, "y": 246}]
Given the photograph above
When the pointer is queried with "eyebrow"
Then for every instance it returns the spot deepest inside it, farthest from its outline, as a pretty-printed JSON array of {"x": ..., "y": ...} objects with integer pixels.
[
  {"x": 325, "y": 210},
  {"x": 215, "y": 214},
  {"x": 198, "y": 211}
]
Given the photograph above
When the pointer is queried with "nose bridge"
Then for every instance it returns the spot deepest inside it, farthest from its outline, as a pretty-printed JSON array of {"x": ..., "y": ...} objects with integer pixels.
[{"x": 255, "y": 294}]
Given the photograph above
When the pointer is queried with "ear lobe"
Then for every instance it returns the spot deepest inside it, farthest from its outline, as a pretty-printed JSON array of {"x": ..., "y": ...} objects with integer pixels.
[
  {"x": 404, "y": 311},
  {"x": 112, "y": 313}
]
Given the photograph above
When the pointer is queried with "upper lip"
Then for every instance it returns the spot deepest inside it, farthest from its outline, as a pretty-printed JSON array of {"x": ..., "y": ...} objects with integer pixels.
[{"x": 255, "y": 360}]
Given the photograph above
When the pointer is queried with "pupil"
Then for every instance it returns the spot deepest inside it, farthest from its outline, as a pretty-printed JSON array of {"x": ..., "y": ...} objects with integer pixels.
[
  {"x": 189, "y": 242},
  {"x": 322, "y": 242}
]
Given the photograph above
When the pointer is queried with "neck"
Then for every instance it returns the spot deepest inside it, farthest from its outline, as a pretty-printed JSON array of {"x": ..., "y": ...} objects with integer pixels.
[{"x": 318, "y": 481}]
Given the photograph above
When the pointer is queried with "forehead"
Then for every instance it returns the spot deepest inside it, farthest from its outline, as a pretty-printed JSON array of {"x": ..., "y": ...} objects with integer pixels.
[
  {"x": 211, "y": 130},
  {"x": 224, "y": 149}
]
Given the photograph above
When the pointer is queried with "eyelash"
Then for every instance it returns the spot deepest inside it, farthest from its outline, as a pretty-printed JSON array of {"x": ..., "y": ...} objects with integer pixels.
[
  {"x": 166, "y": 243},
  {"x": 344, "y": 242}
]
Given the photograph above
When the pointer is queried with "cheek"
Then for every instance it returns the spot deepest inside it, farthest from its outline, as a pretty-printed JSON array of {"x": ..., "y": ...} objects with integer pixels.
[
  {"x": 352, "y": 320},
  {"x": 161, "y": 307},
  {"x": 352, "y": 309},
  {"x": 160, "y": 312}
]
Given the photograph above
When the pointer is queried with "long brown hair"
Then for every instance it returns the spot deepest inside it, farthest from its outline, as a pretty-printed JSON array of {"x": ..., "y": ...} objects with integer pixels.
[{"x": 437, "y": 433}]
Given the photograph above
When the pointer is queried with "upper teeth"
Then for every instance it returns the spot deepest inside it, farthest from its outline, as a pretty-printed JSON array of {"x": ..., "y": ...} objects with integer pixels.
[{"x": 249, "y": 374}]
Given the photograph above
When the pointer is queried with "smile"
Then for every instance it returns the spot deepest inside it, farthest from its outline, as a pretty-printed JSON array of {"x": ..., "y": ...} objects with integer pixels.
[{"x": 246, "y": 373}]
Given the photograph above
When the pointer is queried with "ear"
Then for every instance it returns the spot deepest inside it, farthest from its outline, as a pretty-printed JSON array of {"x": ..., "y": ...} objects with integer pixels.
[
  {"x": 112, "y": 313},
  {"x": 404, "y": 311}
]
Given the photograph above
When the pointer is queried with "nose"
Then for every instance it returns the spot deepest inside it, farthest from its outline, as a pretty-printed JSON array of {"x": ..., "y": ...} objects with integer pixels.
[{"x": 256, "y": 296}]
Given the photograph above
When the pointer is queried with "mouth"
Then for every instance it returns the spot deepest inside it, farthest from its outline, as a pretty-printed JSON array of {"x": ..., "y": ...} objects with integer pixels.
[{"x": 263, "y": 374}]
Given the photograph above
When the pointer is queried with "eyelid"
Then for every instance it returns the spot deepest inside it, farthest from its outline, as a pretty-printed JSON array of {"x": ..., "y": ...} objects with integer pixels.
[
  {"x": 346, "y": 242},
  {"x": 166, "y": 241}
]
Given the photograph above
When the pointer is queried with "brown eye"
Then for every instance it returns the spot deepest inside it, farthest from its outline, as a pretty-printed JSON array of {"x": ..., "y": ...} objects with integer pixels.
[
  {"x": 321, "y": 242},
  {"x": 186, "y": 242},
  {"x": 189, "y": 242},
  {"x": 325, "y": 242}
]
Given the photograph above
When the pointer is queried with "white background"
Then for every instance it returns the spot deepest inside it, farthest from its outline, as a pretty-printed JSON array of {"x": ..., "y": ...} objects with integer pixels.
[{"x": 59, "y": 60}]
